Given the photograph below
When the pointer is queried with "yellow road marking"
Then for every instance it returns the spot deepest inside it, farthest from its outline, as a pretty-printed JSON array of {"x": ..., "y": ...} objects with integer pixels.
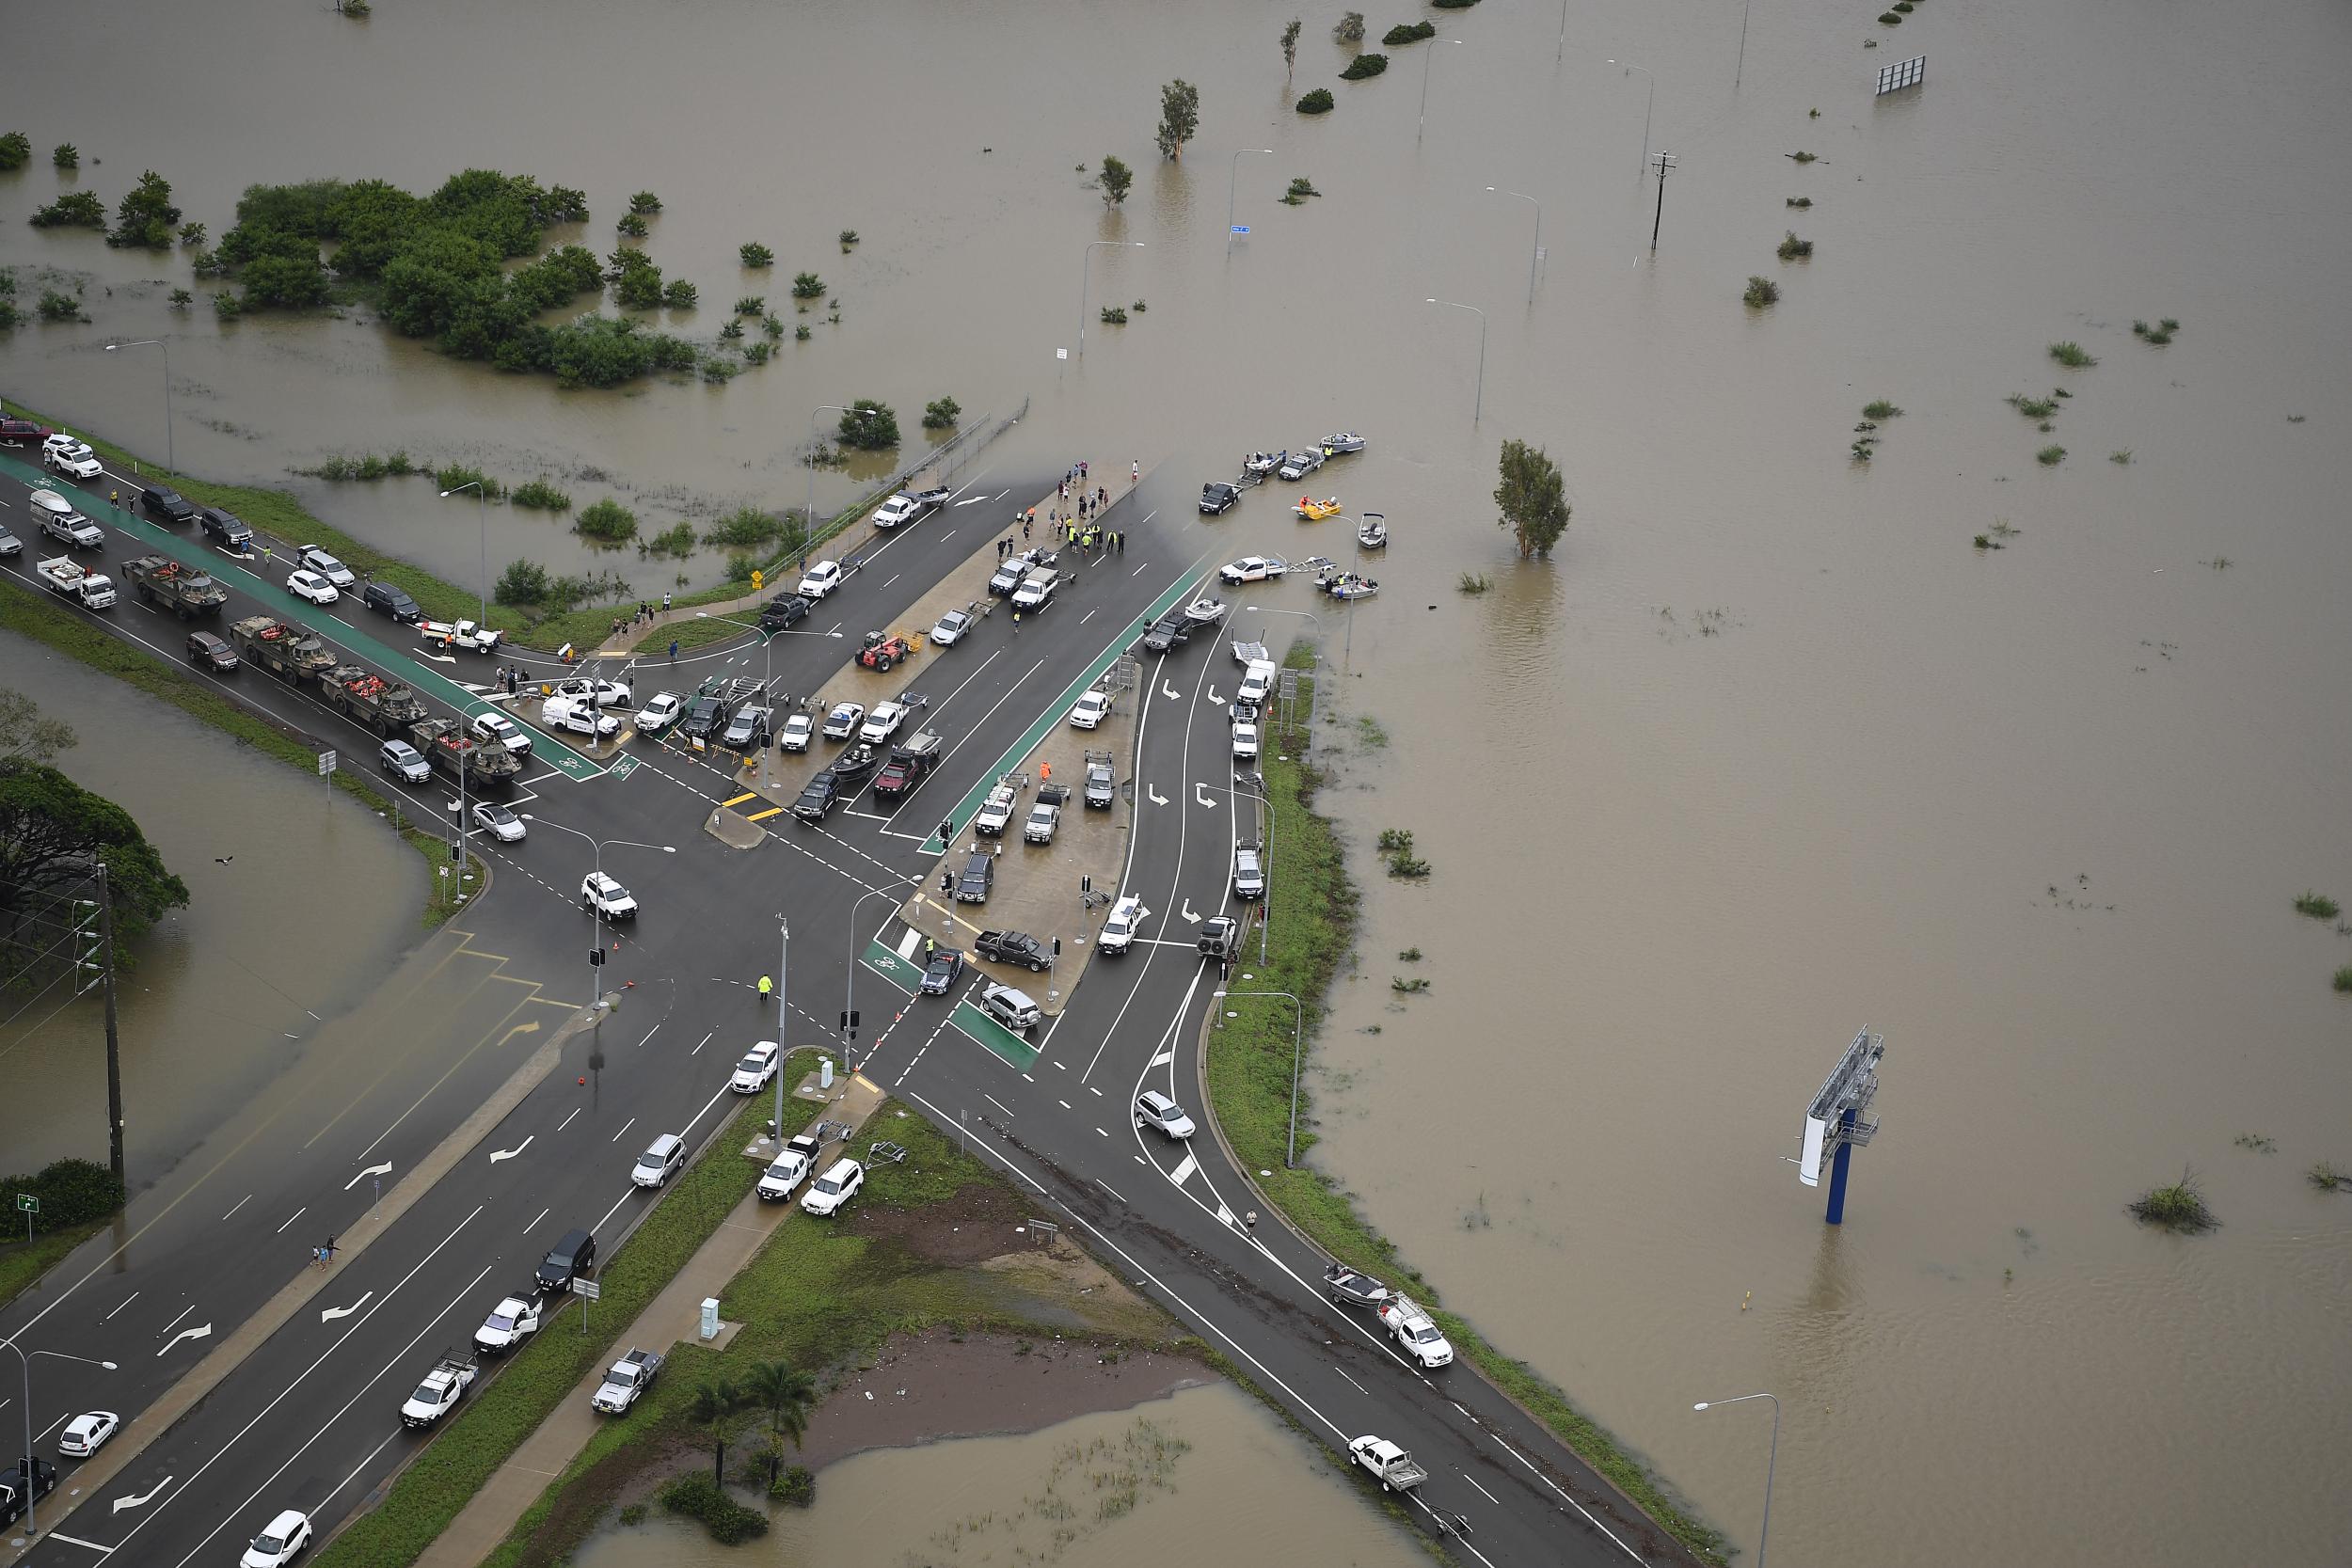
[
  {"x": 741, "y": 799},
  {"x": 763, "y": 815}
]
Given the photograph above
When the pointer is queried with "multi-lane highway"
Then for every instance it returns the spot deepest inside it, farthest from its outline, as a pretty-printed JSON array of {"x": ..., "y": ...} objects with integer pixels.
[{"x": 488, "y": 1022}]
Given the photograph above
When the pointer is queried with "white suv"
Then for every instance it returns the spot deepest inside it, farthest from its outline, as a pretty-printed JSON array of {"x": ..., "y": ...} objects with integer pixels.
[
  {"x": 600, "y": 891},
  {"x": 1118, "y": 931},
  {"x": 823, "y": 579},
  {"x": 840, "y": 1184}
]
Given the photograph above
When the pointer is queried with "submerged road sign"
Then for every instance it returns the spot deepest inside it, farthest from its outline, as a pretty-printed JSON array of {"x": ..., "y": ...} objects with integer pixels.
[{"x": 1901, "y": 75}]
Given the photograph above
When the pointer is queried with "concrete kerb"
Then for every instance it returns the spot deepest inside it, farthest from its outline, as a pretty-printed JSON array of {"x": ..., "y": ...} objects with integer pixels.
[
  {"x": 542, "y": 1458},
  {"x": 200, "y": 1381}
]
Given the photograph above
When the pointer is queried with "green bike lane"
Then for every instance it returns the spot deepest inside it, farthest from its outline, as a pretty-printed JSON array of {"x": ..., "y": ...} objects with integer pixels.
[
  {"x": 1013, "y": 1050},
  {"x": 274, "y": 600}
]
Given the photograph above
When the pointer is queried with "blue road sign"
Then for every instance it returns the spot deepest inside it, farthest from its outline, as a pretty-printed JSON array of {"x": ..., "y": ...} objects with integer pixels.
[{"x": 1241, "y": 229}]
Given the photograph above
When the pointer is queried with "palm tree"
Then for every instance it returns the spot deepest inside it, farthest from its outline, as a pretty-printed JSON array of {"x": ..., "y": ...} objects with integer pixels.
[
  {"x": 786, "y": 1394},
  {"x": 716, "y": 1407}
]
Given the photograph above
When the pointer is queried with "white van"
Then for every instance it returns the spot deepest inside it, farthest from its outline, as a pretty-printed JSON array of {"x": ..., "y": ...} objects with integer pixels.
[
  {"x": 1038, "y": 591},
  {"x": 1256, "y": 681}
]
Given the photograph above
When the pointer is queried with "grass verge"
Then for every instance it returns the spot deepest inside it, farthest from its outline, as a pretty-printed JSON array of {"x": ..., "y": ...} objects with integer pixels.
[
  {"x": 24, "y": 1263},
  {"x": 1314, "y": 914},
  {"x": 481, "y": 1437},
  {"x": 53, "y": 626},
  {"x": 818, "y": 1295}
]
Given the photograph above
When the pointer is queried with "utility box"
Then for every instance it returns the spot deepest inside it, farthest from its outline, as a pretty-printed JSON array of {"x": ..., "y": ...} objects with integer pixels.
[
  {"x": 824, "y": 1072},
  {"x": 710, "y": 1317}
]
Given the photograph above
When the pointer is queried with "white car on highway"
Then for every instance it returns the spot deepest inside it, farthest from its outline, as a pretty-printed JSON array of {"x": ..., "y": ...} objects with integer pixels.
[
  {"x": 63, "y": 454},
  {"x": 600, "y": 891},
  {"x": 1245, "y": 743},
  {"x": 500, "y": 823},
  {"x": 84, "y": 1434},
  {"x": 757, "y": 1069},
  {"x": 1252, "y": 568},
  {"x": 509, "y": 1322},
  {"x": 606, "y": 693},
  {"x": 1118, "y": 931},
  {"x": 315, "y": 559},
  {"x": 499, "y": 729},
  {"x": 882, "y": 722},
  {"x": 1155, "y": 1110},
  {"x": 823, "y": 579},
  {"x": 660, "y": 713},
  {"x": 1415, "y": 1333},
  {"x": 280, "y": 1544},
  {"x": 897, "y": 509},
  {"x": 840, "y": 1184},
  {"x": 1091, "y": 710},
  {"x": 311, "y": 586},
  {"x": 950, "y": 627}
]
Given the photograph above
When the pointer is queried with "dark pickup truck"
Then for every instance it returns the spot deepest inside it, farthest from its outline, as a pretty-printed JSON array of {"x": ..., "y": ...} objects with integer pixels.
[
  {"x": 818, "y": 797},
  {"x": 1014, "y": 947},
  {"x": 906, "y": 766}
]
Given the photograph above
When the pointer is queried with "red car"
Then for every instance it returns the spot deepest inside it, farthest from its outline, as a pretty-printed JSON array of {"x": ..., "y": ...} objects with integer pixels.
[{"x": 23, "y": 433}]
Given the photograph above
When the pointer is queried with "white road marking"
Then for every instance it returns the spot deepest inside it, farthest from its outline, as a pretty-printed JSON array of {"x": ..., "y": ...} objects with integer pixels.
[
  {"x": 186, "y": 1333},
  {"x": 998, "y": 1103},
  {"x": 77, "y": 1541},
  {"x": 1154, "y": 796},
  {"x": 536, "y": 1218},
  {"x": 240, "y": 1203},
  {"x": 625, "y": 1127},
  {"x": 1183, "y": 1173},
  {"x": 138, "y": 1501},
  {"x": 567, "y": 1120},
  {"x": 1482, "y": 1491},
  {"x": 328, "y": 1314},
  {"x": 1187, "y": 913},
  {"x": 290, "y": 1219},
  {"x": 1087, "y": 616},
  {"x": 1201, "y": 795},
  {"x": 1108, "y": 1188},
  {"x": 1065, "y": 1105},
  {"x": 384, "y": 1169},
  {"x": 126, "y": 1301},
  {"x": 1170, "y": 692},
  {"x": 175, "y": 1323},
  {"x": 1214, "y": 701},
  {"x": 1163, "y": 1058},
  {"x": 497, "y": 1154}
]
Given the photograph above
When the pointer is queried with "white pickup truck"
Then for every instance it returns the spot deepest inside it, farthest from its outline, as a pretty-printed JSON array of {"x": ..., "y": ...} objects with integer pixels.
[
  {"x": 627, "y": 1379},
  {"x": 509, "y": 1322},
  {"x": 1416, "y": 1333},
  {"x": 791, "y": 1168},
  {"x": 995, "y": 812},
  {"x": 1392, "y": 1465},
  {"x": 460, "y": 634},
  {"x": 89, "y": 589},
  {"x": 442, "y": 1387}
]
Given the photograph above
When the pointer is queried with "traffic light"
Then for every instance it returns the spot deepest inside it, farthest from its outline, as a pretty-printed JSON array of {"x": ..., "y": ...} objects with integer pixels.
[{"x": 759, "y": 579}]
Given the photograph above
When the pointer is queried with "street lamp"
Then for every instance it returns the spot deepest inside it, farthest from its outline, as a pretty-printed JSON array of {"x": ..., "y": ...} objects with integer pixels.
[
  {"x": 170, "y": 460},
  {"x": 1648, "y": 102},
  {"x": 1232, "y": 173},
  {"x": 1478, "y": 404},
  {"x": 481, "y": 513},
  {"x": 32, "y": 1526},
  {"x": 1763, "y": 1537},
  {"x": 766, "y": 637},
  {"x": 849, "y": 1004},
  {"x": 596, "y": 993},
  {"x": 1538, "y": 250},
  {"x": 1299, "y": 1020},
  {"x": 1427, "y": 56},
  {"x": 1088, "y": 260},
  {"x": 810, "y": 512}
]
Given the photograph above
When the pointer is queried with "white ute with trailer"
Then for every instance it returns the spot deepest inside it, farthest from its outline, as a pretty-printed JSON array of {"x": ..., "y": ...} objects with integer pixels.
[
  {"x": 70, "y": 580},
  {"x": 1389, "y": 1464},
  {"x": 442, "y": 1387},
  {"x": 625, "y": 1379},
  {"x": 461, "y": 634},
  {"x": 1416, "y": 1333}
]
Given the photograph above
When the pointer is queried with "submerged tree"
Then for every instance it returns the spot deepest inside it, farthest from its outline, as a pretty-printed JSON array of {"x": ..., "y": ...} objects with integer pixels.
[
  {"x": 1180, "y": 117},
  {"x": 1115, "y": 177},
  {"x": 1532, "y": 497},
  {"x": 1290, "y": 48}
]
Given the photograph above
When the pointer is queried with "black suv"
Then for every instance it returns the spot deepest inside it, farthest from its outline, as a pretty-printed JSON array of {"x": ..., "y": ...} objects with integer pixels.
[
  {"x": 1166, "y": 633},
  {"x": 782, "y": 612},
  {"x": 818, "y": 797},
  {"x": 1218, "y": 495},
  {"x": 979, "y": 879},
  {"x": 573, "y": 1258},
  {"x": 227, "y": 527},
  {"x": 166, "y": 506},
  {"x": 210, "y": 652},
  {"x": 390, "y": 599},
  {"x": 704, "y": 717}
]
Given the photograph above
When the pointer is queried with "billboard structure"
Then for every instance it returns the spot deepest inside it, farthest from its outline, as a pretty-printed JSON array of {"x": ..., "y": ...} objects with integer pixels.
[
  {"x": 1901, "y": 75},
  {"x": 1838, "y": 1120}
]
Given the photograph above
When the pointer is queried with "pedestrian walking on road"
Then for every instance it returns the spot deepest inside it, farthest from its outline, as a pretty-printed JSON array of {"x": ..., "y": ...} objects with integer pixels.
[
  {"x": 946, "y": 879},
  {"x": 1135, "y": 472},
  {"x": 931, "y": 946},
  {"x": 767, "y": 988},
  {"x": 1016, "y": 622},
  {"x": 673, "y": 650}
]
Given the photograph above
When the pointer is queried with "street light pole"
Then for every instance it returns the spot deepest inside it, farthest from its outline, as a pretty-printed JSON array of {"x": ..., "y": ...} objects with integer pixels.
[
  {"x": 1427, "y": 56},
  {"x": 1299, "y": 1020},
  {"x": 783, "y": 984},
  {"x": 1764, "y": 1536},
  {"x": 32, "y": 1526},
  {"x": 482, "y": 514},
  {"x": 1478, "y": 406},
  {"x": 1538, "y": 249},
  {"x": 1648, "y": 102},
  {"x": 1232, "y": 173},
  {"x": 1084, "y": 263},
  {"x": 1743, "y": 64},
  {"x": 596, "y": 993},
  {"x": 170, "y": 460},
  {"x": 809, "y": 513}
]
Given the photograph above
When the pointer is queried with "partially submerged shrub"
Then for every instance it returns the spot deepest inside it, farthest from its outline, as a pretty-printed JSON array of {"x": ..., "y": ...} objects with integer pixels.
[
  {"x": 1792, "y": 248},
  {"x": 538, "y": 493},
  {"x": 1316, "y": 103},
  {"x": 2318, "y": 905},
  {"x": 1363, "y": 65},
  {"x": 1409, "y": 33},
  {"x": 1880, "y": 409},
  {"x": 2050, "y": 457},
  {"x": 2179, "y": 1207},
  {"x": 2072, "y": 355},
  {"x": 607, "y": 521},
  {"x": 1760, "y": 292},
  {"x": 756, "y": 255}
]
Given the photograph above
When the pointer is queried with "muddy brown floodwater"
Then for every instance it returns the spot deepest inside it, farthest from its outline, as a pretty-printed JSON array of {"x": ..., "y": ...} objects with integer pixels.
[
  {"x": 221, "y": 1002},
  {"x": 1203, "y": 1475},
  {"x": 1770, "y": 752}
]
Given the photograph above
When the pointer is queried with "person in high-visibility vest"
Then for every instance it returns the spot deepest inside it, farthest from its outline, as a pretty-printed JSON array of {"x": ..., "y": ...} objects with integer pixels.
[{"x": 766, "y": 988}]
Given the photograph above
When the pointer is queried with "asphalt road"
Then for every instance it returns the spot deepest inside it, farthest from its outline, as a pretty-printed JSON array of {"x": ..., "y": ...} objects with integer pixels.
[{"x": 311, "y": 1420}]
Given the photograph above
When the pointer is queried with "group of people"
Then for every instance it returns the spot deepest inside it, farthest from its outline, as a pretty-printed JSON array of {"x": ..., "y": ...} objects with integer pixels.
[{"x": 510, "y": 679}]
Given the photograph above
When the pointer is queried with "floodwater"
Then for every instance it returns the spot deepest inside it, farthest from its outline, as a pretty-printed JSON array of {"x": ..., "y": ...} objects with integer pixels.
[
  {"x": 222, "y": 1001},
  {"x": 1204, "y": 1476},
  {"x": 1791, "y": 756}
]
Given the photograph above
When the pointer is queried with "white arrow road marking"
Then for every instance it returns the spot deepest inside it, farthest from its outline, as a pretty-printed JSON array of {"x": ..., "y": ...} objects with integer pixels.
[
  {"x": 144, "y": 1499},
  {"x": 328, "y": 1314},
  {"x": 1188, "y": 914},
  {"x": 77, "y": 1541},
  {"x": 1214, "y": 701},
  {"x": 441, "y": 659},
  {"x": 1183, "y": 1173},
  {"x": 1154, "y": 796},
  {"x": 1163, "y": 1058},
  {"x": 971, "y": 500},
  {"x": 384, "y": 1169},
  {"x": 1168, "y": 690},
  {"x": 497, "y": 1154},
  {"x": 186, "y": 1333},
  {"x": 1200, "y": 793}
]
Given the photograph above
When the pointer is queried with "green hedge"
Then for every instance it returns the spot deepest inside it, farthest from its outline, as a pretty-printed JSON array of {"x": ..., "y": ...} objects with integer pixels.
[{"x": 71, "y": 1192}]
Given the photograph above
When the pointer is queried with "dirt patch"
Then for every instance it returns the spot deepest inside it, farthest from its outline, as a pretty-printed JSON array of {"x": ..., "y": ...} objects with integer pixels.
[
  {"x": 976, "y": 1223},
  {"x": 926, "y": 1387}
]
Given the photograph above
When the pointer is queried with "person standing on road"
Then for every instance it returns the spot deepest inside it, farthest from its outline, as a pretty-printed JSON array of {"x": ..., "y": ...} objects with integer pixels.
[
  {"x": 767, "y": 988},
  {"x": 931, "y": 947},
  {"x": 1016, "y": 622},
  {"x": 673, "y": 650},
  {"x": 1082, "y": 471},
  {"x": 1135, "y": 472}
]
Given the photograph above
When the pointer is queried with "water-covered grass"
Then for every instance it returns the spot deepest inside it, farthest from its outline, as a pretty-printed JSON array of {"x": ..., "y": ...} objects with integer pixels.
[
  {"x": 2318, "y": 905},
  {"x": 2072, "y": 355},
  {"x": 2178, "y": 1207}
]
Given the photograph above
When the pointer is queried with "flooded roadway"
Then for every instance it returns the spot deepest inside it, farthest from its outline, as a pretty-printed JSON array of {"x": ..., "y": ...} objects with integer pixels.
[{"x": 1791, "y": 755}]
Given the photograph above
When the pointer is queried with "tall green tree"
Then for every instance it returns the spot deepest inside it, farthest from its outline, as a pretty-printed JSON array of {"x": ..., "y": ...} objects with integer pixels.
[
  {"x": 1180, "y": 117},
  {"x": 146, "y": 217},
  {"x": 1115, "y": 177},
  {"x": 716, "y": 1407},
  {"x": 786, "y": 1395},
  {"x": 1290, "y": 48},
  {"x": 870, "y": 426},
  {"x": 53, "y": 834},
  {"x": 1533, "y": 499}
]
